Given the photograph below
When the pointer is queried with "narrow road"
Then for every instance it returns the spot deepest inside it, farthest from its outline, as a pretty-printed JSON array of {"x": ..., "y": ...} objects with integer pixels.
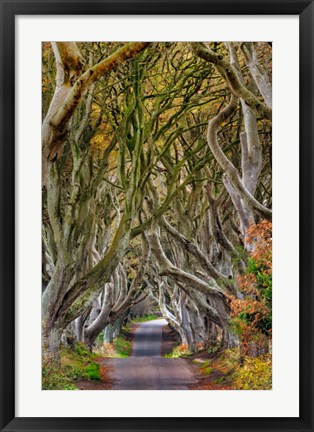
[{"x": 145, "y": 369}]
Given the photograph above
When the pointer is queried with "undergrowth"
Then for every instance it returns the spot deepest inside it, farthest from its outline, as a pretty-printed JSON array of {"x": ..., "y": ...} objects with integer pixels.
[
  {"x": 179, "y": 351},
  {"x": 250, "y": 374},
  {"x": 119, "y": 348},
  {"x": 254, "y": 374},
  {"x": 206, "y": 369},
  {"x": 60, "y": 372}
]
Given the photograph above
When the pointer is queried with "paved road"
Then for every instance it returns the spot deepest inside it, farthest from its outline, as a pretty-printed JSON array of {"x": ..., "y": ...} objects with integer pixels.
[{"x": 145, "y": 369}]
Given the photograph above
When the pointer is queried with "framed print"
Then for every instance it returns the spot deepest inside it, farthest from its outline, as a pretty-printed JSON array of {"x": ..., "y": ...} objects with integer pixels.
[{"x": 156, "y": 162}]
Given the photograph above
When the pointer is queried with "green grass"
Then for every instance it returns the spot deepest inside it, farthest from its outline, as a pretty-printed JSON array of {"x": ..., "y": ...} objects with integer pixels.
[{"x": 144, "y": 318}]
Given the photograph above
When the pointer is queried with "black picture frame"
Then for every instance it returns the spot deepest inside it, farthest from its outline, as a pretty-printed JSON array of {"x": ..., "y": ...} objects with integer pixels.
[{"x": 11, "y": 8}]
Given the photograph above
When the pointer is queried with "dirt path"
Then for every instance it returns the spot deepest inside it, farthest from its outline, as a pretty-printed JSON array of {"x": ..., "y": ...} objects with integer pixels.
[{"x": 146, "y": 369}]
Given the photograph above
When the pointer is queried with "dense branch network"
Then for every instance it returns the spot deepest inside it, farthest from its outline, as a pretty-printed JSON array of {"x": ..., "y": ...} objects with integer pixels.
[{"x": 156, "y": 164}]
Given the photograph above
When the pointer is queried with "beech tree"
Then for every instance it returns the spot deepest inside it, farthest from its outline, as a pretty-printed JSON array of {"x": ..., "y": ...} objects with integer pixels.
[{"x": 156, "y": 166}]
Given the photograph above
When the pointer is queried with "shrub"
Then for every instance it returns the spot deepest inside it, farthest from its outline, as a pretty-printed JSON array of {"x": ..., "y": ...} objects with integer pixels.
[
  {"x": 255, "y": 374},
  {"x": 60, "y": 370},
  {"x": 108, "y": 350},
  {"x": 93, "y": 372},
  {"x": 252, "y": 314},
  {"x": 179, "y": 351},
  {"x": 82, "y": 350},
  {"x": 227, "y": 361},
  {"x": 119, "y": 348},
  {"x": 122, "y": 346},
  {"x": 54, "y": 377},
  {"x": 100, "y": 338},
  {"x": 206, "y": 368}
]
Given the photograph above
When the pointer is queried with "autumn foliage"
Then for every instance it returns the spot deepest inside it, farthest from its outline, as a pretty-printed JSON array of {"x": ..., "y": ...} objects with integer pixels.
[{"x": 251, "y": 315}]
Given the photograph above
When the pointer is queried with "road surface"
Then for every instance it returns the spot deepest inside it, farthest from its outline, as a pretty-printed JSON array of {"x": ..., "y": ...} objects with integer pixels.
[{"x": 145, "y": 369}]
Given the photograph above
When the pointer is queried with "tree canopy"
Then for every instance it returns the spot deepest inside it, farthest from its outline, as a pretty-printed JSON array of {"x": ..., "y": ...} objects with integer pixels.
[{"x": 157, "y": 184}]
